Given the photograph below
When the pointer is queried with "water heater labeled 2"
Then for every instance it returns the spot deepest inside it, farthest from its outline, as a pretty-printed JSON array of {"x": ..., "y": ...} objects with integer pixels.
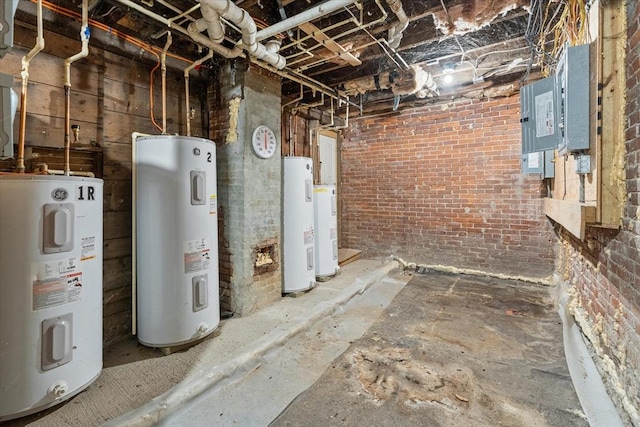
[
  {"x": 298, "y": 257},
  {"x": 176, "y": 239},
  {"x": 326, "y": 221},
  {"x": 50, "y": 290}
]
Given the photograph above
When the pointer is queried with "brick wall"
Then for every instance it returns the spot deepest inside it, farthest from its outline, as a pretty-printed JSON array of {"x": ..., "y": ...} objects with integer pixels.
[
  {"x": 604, "y": 271},
  {"x": 442, "y": 185}
]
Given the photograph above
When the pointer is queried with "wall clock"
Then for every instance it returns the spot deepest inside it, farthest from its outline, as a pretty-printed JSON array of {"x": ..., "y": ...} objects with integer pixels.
[{"x": 264, "y": 142}]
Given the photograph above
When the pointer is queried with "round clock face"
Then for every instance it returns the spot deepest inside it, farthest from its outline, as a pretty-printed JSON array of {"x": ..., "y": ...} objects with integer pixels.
[{"x": 264, "y": 142}]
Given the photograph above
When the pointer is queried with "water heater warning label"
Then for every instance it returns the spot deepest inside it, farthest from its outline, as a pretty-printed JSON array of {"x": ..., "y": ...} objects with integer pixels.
[
  {"x": 197, "y": 255},
  {"x": 88, "y": 248},
  {"x": 308, "y": 234},
  {"x": 57, "y": 283}
]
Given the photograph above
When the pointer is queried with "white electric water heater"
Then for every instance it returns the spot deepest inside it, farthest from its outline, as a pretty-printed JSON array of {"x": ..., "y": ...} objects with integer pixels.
[
  {"x": 176, "y": 239},
  {"x": 298, "y": 257},
  {"x": 326, "y": 223},
  {"x": 50, "y": 290}
]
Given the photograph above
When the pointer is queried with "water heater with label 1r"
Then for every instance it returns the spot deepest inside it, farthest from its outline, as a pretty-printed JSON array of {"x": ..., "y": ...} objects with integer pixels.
[
  {"x": 176, "y": 239},
  {"x": 326, "y": 226},
  {"x": 297, "y": 194},
  {"x": 50, "y": 290}
]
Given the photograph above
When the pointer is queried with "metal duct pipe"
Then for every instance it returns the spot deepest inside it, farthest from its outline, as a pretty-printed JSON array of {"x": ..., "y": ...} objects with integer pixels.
[
  {"x": 24, "y": 73},
  {"x": 306, "y": 16},
  {"x": 215, "y": 9},
  {"x": 163, "y": 64},
  {"x": 395, "y": 32},
  {"x": 186, "y": 84},
  {"x": 84, "y": 37}
]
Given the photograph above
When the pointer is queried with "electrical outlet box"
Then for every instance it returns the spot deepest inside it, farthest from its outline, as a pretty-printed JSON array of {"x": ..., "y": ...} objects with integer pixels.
[{"x": 583, "y": 164}]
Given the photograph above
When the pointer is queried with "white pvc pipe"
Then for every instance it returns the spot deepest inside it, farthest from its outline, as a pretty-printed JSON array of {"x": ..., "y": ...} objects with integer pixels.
[
  {"x": 197, "y": 37},
  {"x": 213, "y": 10},
  {"x": 84, "y": 51},
  {"x": 301, "y": 18},
  {"x": 186, "y": 84},
  {"x": 24, "y": 74},
  {"x": 84, "y": 38},
  {"x": 163, "y": 62}
]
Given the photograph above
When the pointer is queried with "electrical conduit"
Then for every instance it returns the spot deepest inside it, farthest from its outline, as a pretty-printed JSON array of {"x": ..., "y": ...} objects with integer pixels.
[
  {"x": 24, "y": 73},
  {"x": 84, "y": 37},
  {"x": 186, "y": 86}
]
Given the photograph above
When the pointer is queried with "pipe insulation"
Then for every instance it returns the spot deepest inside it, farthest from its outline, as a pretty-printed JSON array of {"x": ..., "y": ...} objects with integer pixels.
[
  {"x": 213, "y": 10},
  {"x": 24, "y": 74},
  {"x": 395, "y": 32}
]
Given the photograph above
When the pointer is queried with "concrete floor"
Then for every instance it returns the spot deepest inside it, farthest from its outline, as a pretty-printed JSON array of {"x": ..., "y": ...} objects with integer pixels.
[
  {"x": 361, "y": 349},
  {"x": 450, "y": 350}
]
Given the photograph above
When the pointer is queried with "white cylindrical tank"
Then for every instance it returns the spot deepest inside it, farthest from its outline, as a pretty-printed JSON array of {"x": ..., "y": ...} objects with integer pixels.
[
  {"x": 299, "y": 258},
  {"x": 176, "y": 239},
  {"x": 326, "y": 227},
  {"x": 50, "y": 290}
]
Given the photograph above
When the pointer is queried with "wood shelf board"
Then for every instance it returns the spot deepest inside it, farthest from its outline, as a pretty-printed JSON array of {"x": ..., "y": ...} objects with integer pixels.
[{"x": 573, "y": 216}]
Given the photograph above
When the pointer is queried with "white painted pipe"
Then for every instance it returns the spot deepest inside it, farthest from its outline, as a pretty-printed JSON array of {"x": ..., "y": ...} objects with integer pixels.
[
  {"x": 218, "y": 48},
  {"x": 395, "y": 33},
  {"x": 163, "y": 64},
  {"x": 304, "y": 17},
  {"x": 84, "y": 51},
  {"x": 24, "y": 74},
  {"x": 213, "y": 10},
  {"x": 134, "y": 247},
  {"x": 186, "y": 84},
  {"x": 84, "y": 38}
]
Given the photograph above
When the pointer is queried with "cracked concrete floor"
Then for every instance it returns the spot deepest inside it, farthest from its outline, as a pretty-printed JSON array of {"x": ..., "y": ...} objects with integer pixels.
[{"x": 450, "y": 350}]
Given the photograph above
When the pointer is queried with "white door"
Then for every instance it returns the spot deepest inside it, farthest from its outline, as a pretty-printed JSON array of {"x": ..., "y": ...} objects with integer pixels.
[{"x": 327, "y": 145}]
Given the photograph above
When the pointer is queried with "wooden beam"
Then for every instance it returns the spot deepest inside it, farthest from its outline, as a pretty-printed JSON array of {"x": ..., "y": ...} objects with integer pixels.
[
  {"x": 317, "y": 34},
  {"x": 573, "y": 216},
  {"x": 613, "y": 30}
]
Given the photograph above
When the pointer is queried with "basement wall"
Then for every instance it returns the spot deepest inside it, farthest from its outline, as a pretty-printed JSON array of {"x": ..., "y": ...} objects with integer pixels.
[
  {"x": 109, "y": 100},
  {"x": 442, "y": 185},
  {"x": 604, "y": 270}
]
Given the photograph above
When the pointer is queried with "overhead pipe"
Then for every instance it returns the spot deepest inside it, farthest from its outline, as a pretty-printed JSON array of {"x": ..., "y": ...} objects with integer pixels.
[
  {"x": 395, "y": 32},
  {"x": 197, "y": 37},
  {"x": 163, "y": 65},
  {"x": 24, "y": 73},
  {"x": 186, "y": 85},
  {"x": 303, "y": 17},
  {"x": 213, "y": 10},
  {"x": 84, "y": 37}
]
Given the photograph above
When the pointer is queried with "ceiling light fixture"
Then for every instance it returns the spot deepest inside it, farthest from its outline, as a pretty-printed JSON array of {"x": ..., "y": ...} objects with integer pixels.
[{"x": 447, "y": 71}]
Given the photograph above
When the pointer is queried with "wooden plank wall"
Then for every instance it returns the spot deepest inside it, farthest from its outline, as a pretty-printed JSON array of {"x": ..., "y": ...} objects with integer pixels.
[{"x": 109, "y": 100}]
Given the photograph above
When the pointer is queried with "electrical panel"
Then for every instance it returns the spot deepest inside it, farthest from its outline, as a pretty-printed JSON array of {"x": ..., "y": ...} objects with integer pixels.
[
  {"x": 540, "y": 162},
  {"x": 7, "y": 13},
  {"x": 8, "y": 108},
  {"x": 573, "y": 84},
  {"x": 538, "y": 116}
]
